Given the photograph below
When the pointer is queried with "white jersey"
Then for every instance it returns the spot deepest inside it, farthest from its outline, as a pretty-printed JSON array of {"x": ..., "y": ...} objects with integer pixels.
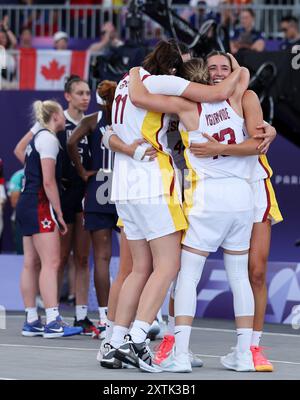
[
  {"x": 220, "y": 121},
  {"x": 140, "y": 180}
]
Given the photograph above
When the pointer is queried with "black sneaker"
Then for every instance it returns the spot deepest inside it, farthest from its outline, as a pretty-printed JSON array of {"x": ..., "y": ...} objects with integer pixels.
[
  {"x": 136, "y": 354},
  {"x": 108, "y": 357},
  {"x": 88, "y": 328}
]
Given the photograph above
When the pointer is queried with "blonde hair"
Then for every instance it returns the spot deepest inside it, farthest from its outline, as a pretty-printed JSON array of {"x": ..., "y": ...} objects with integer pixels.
[
  {"x": 43, "y": 110},
  {"x": 195, "y": 70}
]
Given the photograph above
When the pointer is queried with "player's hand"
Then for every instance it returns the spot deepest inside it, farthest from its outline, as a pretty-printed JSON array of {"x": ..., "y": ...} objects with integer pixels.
[
  {"x": 234, "y": 62},
  {"x": 85, "y": 175},
  {"x": 62, "y": 225},
  {"x": 150, "y": 152},
  {"x": 209, "y": 149},
  {"x": 268, "y": 135},
  {"x": 134, "y": 70}
]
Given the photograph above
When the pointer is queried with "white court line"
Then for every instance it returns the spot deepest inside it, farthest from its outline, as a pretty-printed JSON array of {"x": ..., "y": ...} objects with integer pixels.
[
  {"x": 296, "y": 335},
  {"x": 233, "y": 331},
  {"x": 8, "y": 379},
  {"x": 46, "y": 347},
  {"x": 274, "y": 361},
  {"x": 95, "y": 350}
]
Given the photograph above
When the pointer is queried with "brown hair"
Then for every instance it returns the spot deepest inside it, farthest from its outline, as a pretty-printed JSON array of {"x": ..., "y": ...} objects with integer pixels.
[
  {"x": 195, "y": 70},
  {"x": 220, "y": 53},
  {"x": 106, "y": 90},
  {"x": 165, "y": 58},
  {"x": 68, "y": 88}
]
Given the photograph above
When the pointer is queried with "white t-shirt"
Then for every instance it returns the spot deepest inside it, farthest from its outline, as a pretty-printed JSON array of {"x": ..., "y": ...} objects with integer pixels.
[
  {"x": 141, "y": 180},
  {"x": 47, "y": 145},
  {"x": 36, "y": 127}
]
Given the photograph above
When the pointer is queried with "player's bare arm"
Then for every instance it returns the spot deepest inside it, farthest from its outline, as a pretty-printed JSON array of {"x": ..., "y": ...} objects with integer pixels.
[{"x": 84, "y": 128}]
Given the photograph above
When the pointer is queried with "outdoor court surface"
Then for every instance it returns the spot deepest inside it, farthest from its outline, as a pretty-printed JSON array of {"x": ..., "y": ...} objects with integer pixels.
[{"x": 75, "y": 358}]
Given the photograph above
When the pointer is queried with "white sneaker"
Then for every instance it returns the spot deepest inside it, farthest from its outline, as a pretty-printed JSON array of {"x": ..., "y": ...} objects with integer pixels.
[
  {"x": 177, "y": 363},
  {"x": 196, "y": 361},
  {"x": 101, "y": 351},
  {"x": 238, "y": 361}
]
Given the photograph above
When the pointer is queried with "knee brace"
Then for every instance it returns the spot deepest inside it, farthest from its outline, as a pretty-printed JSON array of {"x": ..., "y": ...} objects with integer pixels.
[
  {"x": 187, "y": 281},
  {"x": 236, "y": 266}
]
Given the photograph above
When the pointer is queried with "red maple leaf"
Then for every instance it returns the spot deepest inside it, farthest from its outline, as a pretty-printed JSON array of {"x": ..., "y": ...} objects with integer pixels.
[{"x": 54, "y": 71}]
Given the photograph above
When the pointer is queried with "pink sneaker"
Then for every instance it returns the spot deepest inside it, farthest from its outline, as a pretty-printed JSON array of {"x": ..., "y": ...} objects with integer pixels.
[
  {"x": 164, "y": 349},
  {"x": 261, "y": 363}
]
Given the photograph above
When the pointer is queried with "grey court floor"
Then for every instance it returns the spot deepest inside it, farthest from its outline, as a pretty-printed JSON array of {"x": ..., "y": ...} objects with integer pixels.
[{"x": 75, "y": 358}]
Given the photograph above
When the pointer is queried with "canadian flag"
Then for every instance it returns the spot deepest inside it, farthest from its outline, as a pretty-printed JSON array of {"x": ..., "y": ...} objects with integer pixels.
[{"x": 47, "y": 69}]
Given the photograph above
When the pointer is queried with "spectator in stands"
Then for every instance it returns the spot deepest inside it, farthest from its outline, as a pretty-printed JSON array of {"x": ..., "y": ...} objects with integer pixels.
[
  {"x": 201, "y": 12},
  {"x": 247, "y": 37},
  {"x": 9, "y": 41},
  {"x": 109, "y": 38},
  {"x": 25, "y": 41},
  {"x": 60, "y": 40},
  {"x": 2, "y": 196},
  {"x": 289, "y": 25},
  {"x": 14, "y": 190}
]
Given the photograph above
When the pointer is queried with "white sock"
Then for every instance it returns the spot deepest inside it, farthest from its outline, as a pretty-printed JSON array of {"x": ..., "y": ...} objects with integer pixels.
[
  {"x": 171, "y": 325},
  {"x": 31, "y": 314},
  {"x": 51, "y": 314},
  {"x": 117, "y": 337},
  {"x": 182, "y": 338},
  {"x": 159, "y": 316},
  {"x": 109, "y": 330},
  {"x": 139, "y": 331},
  {"x": 244, "y": 337},
  {"x": 102, "y": 314},
  {"x": 81, "y": 312},
  {"x": 256, "y": 336}
]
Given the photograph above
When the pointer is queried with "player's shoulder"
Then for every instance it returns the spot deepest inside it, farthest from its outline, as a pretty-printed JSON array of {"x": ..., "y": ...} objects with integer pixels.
[{"x": 249, "y": 94}]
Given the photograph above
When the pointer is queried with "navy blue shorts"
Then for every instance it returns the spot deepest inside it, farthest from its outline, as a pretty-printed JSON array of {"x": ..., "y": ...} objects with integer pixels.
[
  {"x": 35, "y": 214},
  {"x": 95, "y": 221},
  {"x": 71, "y": 203}
]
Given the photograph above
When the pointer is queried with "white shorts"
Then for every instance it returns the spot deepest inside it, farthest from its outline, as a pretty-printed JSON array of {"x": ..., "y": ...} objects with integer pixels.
[
  {"x": 222, "y": 218},
  {"x": 265, "y": 203},
  {"x": 151, "y": 219}
]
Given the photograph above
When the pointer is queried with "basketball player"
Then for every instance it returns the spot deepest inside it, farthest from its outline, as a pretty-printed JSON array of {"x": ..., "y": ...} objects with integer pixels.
[
  {"x": 266, "y": 213},
  {"x": 218, "y": 192},
  {"x": 77, "y": 94},
  {"x": 40, "y": 217}
]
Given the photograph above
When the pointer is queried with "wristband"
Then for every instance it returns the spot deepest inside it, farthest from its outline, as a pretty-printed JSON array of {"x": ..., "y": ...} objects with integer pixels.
[{"x": 105, "y": 138}]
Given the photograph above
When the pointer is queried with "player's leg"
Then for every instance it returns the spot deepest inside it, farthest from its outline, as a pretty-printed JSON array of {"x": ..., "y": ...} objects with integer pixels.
[
  {"x": 65, "y": 250},
  {"x": 129, "y": 299},
  {"x": 30, "y": 289},
  {"x": 102, "y": 250},
  {"x": 47, "y": 246},
  {"x": 81, "y": 250},
  {"x": 258, "y": 257}
]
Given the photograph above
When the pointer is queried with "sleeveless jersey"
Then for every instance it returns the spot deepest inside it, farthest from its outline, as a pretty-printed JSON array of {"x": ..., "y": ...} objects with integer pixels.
[
  {"x": 70, "y": 177},
  {"x": 220, "y": 121},
  {"x": 99, "y": 185}
]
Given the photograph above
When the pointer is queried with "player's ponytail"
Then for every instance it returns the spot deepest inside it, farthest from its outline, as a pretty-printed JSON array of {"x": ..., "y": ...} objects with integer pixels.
[
  {"x": 195, "y": 70},
  {"x": 43, "y": 110},
  {"x": 106, "y": 90},
  {"x": 165, "y": 59}
]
